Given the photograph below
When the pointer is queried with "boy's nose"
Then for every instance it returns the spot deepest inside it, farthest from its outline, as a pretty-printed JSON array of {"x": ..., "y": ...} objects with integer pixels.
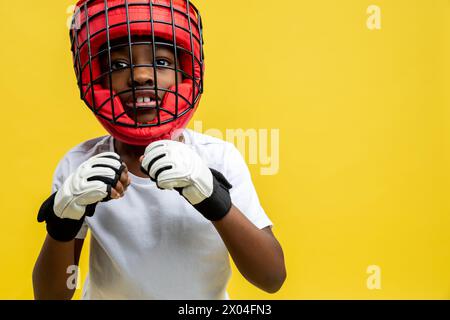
[{"x": 142, "y": 76}]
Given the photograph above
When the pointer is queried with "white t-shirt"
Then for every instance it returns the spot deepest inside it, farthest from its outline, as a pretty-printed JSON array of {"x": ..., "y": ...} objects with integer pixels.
[{"x": 152, "y": 244}]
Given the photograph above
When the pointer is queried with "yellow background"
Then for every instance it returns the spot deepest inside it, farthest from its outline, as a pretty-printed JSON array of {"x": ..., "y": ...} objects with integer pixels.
[{"x": 364, "y": 135}]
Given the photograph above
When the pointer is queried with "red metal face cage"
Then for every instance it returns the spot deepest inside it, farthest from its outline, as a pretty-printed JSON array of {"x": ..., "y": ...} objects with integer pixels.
[{"x": 97, "y": 26}]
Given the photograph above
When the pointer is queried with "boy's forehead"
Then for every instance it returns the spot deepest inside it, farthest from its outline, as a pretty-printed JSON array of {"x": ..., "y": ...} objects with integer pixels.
[{"x": 125, "y": 41}]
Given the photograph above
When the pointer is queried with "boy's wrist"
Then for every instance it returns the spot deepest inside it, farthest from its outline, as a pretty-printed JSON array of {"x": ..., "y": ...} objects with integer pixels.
[
  {"x": 217, "y": 206},
  {"x": 61, "y": 229}
]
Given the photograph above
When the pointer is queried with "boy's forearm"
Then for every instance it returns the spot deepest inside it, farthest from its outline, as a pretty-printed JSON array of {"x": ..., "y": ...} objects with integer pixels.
[
  {"x": 256, "y": 253},
  {"x": 50, "y": 271}
]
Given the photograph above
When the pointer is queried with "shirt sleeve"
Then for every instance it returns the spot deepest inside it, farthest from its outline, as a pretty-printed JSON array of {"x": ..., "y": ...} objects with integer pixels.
[
  {"x": 243, "y": 193},
  {"x": 62, "y": 171}
]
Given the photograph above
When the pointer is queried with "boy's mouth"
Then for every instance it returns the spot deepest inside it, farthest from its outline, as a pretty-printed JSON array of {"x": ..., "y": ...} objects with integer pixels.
[
  {"x": 143, "y": 100},
  {"x": 145, "y": 104}
]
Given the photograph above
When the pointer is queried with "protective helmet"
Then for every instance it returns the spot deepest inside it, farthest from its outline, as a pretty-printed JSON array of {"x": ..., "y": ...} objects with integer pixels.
[{"x": 97, "y": 24}]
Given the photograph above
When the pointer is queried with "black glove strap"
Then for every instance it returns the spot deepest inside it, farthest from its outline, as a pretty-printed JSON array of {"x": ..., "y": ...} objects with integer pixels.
[
  {"x": 63, "y": 230},
  {"x": 218, "y": 204}
]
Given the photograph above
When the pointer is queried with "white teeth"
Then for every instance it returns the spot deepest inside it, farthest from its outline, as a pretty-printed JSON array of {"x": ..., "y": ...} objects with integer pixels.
[{"x": 144, "y": 100}]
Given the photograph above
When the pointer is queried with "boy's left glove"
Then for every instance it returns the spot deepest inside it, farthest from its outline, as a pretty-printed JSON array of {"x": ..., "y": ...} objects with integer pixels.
[{"x": 174, "y": 165}]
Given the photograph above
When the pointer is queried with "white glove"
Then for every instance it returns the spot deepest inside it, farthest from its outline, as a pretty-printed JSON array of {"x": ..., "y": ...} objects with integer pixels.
[
  {"x": 90, "y": 183},
  {"x": 172, "y": 164}
]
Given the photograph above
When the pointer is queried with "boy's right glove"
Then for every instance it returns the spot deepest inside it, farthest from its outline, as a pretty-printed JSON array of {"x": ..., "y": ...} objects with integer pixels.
[{"x": 92, "y": 182}]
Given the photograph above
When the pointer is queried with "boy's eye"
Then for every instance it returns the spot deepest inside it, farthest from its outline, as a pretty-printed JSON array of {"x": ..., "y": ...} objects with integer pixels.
[
  {"x": 162, "y": 63},
  {"x": 118, "y": 65}
]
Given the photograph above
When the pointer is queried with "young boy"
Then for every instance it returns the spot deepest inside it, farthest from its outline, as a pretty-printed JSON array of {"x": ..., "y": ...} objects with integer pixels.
[{"x": 165, "y": 205}]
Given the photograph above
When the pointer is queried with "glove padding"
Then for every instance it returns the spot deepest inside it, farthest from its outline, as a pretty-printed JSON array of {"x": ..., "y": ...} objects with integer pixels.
[
  {"x": 175, "y": 165},
  {"x": 92, "y": 182}
]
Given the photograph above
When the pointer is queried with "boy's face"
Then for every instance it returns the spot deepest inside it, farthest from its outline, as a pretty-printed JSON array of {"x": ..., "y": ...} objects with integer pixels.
[{"x": 144, "y": 78}]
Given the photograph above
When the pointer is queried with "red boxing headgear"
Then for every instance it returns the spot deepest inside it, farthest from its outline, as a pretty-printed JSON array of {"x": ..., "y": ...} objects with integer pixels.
[{"x": 96, "y": 23}]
